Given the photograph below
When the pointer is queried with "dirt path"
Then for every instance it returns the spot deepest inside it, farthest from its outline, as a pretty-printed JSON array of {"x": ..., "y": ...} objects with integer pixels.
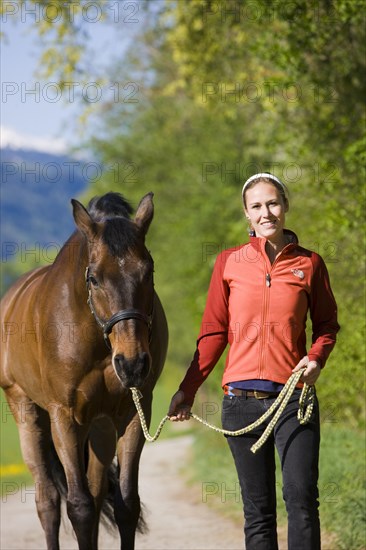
[{"x": 178, "y": 518}]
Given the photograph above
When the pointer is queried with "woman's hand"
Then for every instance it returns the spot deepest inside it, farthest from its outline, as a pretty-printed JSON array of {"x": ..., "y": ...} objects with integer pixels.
[
  {"x": 178, "y": 410},
  {"x": 311, "y": 374}
]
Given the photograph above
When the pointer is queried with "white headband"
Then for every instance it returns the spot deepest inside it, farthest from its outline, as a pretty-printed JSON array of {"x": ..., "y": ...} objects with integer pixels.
[{"x": 262, "y": 175}]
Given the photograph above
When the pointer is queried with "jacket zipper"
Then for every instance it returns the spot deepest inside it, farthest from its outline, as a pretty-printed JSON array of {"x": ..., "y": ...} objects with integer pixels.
[
  {"x": 266, "y": 295},
  {"x": 264, "y": 323},
  {"x": 268, "y": 280}
]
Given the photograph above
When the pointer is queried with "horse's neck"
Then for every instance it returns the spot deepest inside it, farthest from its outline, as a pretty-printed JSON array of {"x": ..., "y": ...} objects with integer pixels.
[{"x": 72, "y": 260}]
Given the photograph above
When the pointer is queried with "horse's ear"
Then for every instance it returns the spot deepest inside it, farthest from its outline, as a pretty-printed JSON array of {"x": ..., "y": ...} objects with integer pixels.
[
  {"x": 83, "y": 220},
  {"x": 145, "y": 213}
]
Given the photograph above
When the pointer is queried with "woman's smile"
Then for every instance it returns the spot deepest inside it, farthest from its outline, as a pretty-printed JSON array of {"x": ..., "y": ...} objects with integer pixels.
[{"x": 266, "y": 211}]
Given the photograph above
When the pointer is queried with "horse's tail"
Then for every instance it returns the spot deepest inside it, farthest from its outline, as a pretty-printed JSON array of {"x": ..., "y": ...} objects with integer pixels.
[
  {"x": 113, "y": 476},
  {"x": 58, "y": 475},
  {"x": 107, "y": 515},
  {"x": 142, "y": 526}
]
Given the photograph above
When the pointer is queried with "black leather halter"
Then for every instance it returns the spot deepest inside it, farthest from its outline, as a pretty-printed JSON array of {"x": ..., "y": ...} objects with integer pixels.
[{"x": 122, "y": 315}]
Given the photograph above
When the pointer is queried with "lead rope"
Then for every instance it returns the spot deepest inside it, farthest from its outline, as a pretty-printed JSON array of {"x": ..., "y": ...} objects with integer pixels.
[{"x": 303, "y": 414}]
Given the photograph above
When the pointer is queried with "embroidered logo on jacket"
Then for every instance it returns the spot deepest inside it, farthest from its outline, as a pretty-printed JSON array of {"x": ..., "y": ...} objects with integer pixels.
[{"x": 298, "y": 273}]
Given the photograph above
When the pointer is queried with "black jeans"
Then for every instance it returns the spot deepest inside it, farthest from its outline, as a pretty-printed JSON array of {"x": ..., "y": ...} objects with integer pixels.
[{"x": 298, "y": 449}]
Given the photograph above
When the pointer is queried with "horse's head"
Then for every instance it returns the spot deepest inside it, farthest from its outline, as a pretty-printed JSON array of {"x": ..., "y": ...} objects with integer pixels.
[{"x": 119, "y": 279}]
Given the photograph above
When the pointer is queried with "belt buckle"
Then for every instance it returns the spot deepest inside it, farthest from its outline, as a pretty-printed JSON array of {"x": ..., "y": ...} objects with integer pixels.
[
  {"x": 260, "y": 394},
  {"x": 228, "y": 390}
]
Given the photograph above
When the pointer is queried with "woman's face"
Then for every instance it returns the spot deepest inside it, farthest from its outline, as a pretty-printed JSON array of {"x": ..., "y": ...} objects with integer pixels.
[{"x": 266, "y": 210}]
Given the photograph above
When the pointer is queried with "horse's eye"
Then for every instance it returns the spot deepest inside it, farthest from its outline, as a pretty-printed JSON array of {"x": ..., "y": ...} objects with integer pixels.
[{"x": 93, "y": 281}]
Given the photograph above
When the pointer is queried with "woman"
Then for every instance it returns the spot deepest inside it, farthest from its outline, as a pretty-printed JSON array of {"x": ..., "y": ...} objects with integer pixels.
[{"x": 258, "y": 300}]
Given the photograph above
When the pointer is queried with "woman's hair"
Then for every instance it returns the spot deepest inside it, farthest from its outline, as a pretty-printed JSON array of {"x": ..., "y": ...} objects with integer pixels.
[{"x": 266, "y": 177}]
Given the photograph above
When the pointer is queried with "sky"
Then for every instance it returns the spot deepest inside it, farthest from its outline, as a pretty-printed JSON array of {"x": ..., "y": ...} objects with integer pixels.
[{"x": 36, "y": 113}]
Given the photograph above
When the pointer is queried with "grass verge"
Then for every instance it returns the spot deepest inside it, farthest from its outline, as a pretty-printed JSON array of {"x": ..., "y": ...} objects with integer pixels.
[
  {"x": 341, "y": 483},
  {"x": 13, "y": 472}
]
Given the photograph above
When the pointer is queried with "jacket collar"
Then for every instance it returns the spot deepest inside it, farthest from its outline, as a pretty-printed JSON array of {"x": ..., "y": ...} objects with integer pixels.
[{"x": 259, "y": 242}]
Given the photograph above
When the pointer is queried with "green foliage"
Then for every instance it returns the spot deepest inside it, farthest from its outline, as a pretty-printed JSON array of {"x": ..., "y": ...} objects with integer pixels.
[
  {"x": 9, "y": 272},
  {"x": 58, "y": 25},
  {"x": 193, "y": 144},
  {"x": 342, "y": 485},
  {"x": 13, "y": 471},
  {"x": 194, "y": 154}
]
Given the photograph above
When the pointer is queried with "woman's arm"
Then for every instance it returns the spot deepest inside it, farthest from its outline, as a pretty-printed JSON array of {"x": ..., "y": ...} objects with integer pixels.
[
  {"x": 211, "y": 342},
  {"x": 323, "y": 312}
]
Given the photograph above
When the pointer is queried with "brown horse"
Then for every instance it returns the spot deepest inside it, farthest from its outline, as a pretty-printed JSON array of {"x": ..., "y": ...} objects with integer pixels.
[{"x": 76, "y": 335}]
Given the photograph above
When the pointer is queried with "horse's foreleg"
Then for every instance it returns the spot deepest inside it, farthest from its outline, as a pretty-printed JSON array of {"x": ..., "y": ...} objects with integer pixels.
[
  {"x": 35, "y": 440},
  {"x": 102, "y": 447},
  {"x": 127, "y": 503},
  {"x": 69, "y": 440}
]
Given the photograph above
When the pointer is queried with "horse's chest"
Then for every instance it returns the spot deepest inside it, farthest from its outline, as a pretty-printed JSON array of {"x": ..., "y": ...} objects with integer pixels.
[{"x": 98, "y": 393}]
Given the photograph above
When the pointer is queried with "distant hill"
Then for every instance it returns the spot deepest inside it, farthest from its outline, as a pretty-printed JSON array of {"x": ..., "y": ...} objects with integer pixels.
[{"x": 36, "y": 189}]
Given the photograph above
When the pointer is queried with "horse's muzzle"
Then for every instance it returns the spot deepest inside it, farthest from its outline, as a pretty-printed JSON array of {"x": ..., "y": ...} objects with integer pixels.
[{"x": 132, "y": 371}]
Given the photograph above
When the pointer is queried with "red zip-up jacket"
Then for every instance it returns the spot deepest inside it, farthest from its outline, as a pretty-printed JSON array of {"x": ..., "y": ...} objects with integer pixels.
[{"x": 260, "y": 310}]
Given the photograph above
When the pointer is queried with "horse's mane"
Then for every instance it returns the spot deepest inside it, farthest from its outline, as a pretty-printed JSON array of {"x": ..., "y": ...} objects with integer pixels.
[
  {"x": 109, "y": 205},
  {"x": 114, "y": 210}
]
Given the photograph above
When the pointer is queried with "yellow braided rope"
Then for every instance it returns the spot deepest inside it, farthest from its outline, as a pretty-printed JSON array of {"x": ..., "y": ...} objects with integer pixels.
[{"x": 303, "y": 415}]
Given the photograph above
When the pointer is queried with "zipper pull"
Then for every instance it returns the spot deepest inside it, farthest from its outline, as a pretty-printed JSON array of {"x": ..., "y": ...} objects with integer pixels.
[{"x": 268, "y": 279}]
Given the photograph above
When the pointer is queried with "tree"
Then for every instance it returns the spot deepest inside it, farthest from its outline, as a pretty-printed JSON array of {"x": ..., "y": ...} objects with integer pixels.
[
  {"x": 227, "y": 89},
  {"x": 195, "y": 150}
]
